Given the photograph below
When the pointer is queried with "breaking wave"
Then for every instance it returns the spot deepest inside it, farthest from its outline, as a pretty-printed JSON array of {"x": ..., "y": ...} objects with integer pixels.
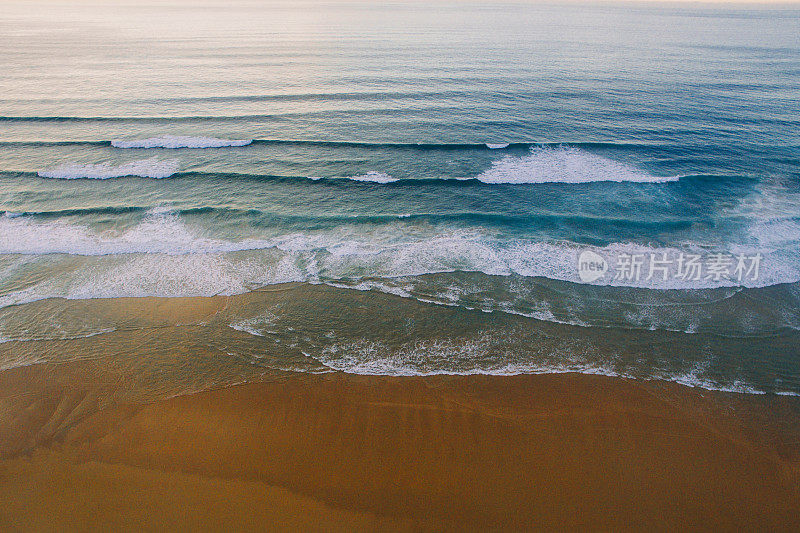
[
  {"x": 390, "y": 251},
  {"x": 564, "y": 164},
  {"x": 145, "y": 168}
]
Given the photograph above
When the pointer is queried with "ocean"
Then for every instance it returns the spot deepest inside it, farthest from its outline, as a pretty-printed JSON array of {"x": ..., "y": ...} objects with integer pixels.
[{"x": 403, "y": 189}]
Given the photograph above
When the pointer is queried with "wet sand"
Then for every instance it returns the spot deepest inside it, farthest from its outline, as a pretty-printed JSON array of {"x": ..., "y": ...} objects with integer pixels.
[{"x": 343, "y": 452}]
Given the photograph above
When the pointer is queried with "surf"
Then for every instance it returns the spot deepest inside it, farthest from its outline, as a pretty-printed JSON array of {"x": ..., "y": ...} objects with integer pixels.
[{"x": 145, "y": 168}]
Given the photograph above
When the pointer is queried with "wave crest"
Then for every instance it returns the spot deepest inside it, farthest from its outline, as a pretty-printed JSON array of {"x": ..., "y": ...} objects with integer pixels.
[
  {"x": 180, "y": 141},
  {"x": 145, "y": 168},
  {"x": 563, "y": 164},
  {"x": 372, "y": 176}
]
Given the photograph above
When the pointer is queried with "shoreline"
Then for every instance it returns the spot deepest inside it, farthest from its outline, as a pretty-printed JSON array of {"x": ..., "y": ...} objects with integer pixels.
[
  {"x": 300, "y": 327},
  {"x": 397, "y": 453}
]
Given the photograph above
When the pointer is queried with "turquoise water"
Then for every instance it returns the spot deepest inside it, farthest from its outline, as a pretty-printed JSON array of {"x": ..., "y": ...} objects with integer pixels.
[{"x": 459, "y": 155}]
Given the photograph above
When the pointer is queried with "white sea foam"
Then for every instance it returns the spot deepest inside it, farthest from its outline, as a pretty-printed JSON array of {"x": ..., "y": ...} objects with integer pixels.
[
  {"x": 770, "y": 234},
  {"x": 563, "y": 164},
  {"x": 160, "y": 232},
  {"x": 545, "y": 164},
  {"x": 257, "y": 325},
  {"x": 496, "y": 146},
  {"x": 180, "y": 141},
  {"x": 247, "y": 326},
  {"x": 694, "y": 378},
  {"x": 373, "y": 176},
  {"x": 392, "y": 252},
  {"x": 471, "y": 357},
  {"x": 145, "y": 168},
  {"x": 773, "y": 212}
]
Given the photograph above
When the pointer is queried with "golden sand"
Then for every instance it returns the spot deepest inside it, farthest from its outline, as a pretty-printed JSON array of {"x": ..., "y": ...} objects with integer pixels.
[{"x": 340, "y": 452}]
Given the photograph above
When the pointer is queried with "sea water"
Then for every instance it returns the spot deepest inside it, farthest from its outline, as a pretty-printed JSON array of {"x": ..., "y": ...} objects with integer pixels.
[{"x": 429, "y": 175}]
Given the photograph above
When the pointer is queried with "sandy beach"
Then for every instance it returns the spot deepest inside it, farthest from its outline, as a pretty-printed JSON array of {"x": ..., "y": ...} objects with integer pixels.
[{"x": 342, "y": 452}]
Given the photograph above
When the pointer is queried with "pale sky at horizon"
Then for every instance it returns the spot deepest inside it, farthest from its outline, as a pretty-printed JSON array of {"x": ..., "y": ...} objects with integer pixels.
[{"x": 217, "y": 2}]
